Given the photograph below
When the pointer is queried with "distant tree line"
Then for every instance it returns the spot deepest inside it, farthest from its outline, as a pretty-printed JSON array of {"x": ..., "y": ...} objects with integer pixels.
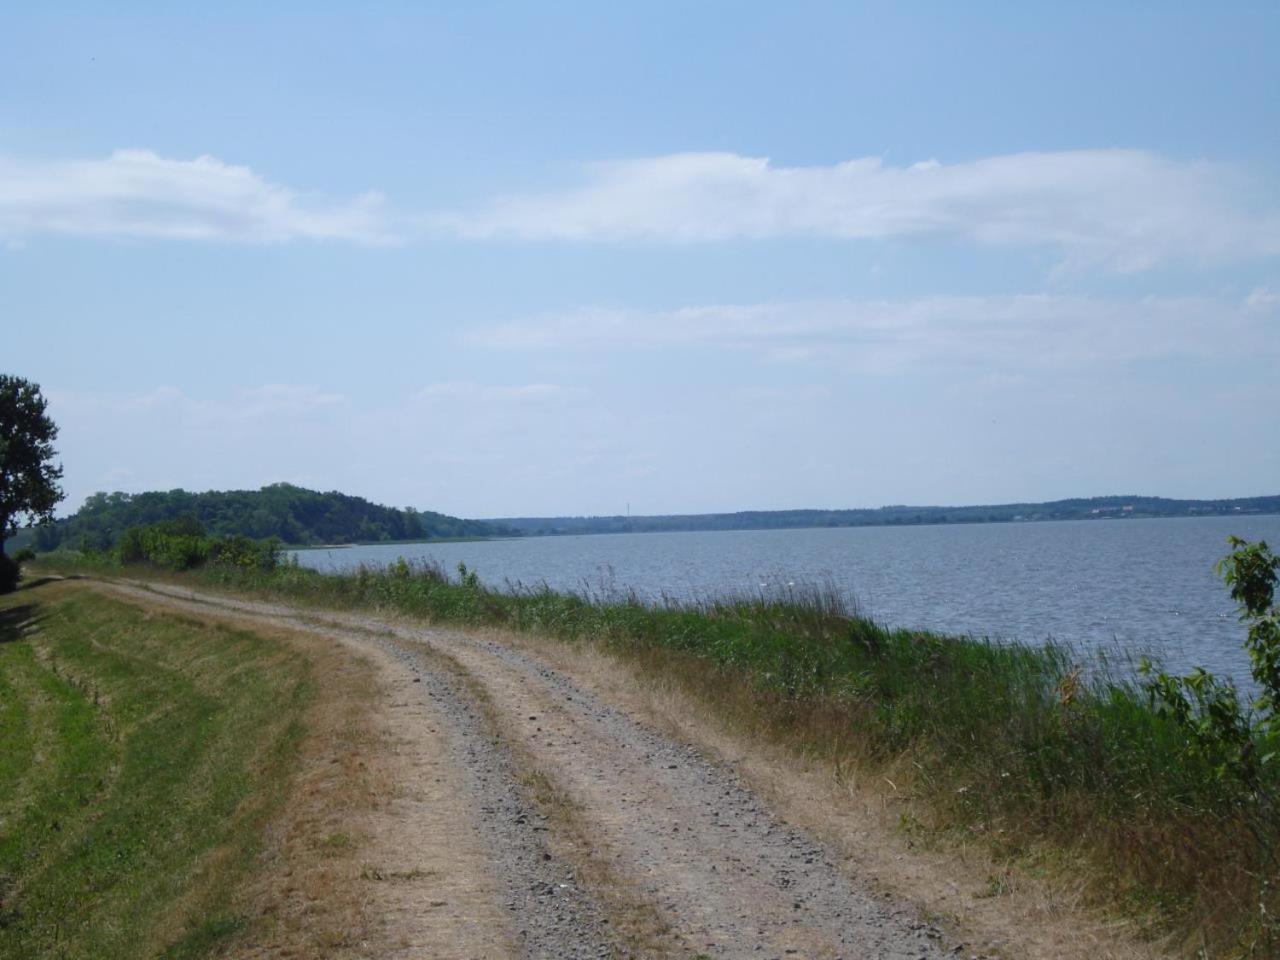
[
  {"x": 290, "y": 514},
  {"x": 1085, "y": 508}
]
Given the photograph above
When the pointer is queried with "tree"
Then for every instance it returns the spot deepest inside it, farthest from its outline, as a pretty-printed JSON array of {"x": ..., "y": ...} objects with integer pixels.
[{"x": 28, "y": 476}]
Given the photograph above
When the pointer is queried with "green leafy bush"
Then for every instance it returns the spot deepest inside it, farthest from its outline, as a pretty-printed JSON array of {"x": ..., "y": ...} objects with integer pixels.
[
  {"x": 183, "y": 545},
  {"x": 1238, "y": 740}
]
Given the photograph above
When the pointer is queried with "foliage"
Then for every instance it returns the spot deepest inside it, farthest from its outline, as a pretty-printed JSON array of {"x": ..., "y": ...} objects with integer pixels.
[
  {"x": 11, "y": 568},
  {"x": 288, "y": 513},
  {"x": 182, "y": 544},
  {"x": 1238, "y": 742},
  {"x": 1251, "y": 571},
  {"x": 28, "y": 476}
]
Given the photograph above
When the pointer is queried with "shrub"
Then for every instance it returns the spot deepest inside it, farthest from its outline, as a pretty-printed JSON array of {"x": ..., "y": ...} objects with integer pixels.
[
  {"x": 242, "y": 552},
  {"x": 182, "y": 545}
]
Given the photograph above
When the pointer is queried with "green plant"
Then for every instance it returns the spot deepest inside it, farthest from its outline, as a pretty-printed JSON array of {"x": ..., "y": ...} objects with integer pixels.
[
  {"x": 181, "y": 544},
  {"x": 468, "y": 578},
  {"x": 1237, "y": 740},
  {"x": 28, "y": 477},
  {"x": 1251, "y": 571}
]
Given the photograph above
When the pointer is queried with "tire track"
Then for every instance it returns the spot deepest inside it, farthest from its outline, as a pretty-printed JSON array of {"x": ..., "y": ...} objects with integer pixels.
[
  {"x": 544, "y": 912},
  {"x": 683, "y": 835}
]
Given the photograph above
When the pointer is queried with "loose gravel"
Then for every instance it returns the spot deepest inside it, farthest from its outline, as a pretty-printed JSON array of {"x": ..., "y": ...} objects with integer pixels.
[{"x": 685, "y": 833}]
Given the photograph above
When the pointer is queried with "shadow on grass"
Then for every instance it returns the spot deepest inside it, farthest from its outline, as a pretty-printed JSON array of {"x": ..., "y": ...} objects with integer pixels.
[
  {"x": 41, "y": 581},
  {"x": 14, "y": 621}
]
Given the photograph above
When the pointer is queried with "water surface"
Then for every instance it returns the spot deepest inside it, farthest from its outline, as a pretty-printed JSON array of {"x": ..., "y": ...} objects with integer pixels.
[{"x": 1147, "y": 585}]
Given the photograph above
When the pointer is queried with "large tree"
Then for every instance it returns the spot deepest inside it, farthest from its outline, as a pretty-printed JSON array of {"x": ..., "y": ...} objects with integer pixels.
[{"x": 28, "y": 476}]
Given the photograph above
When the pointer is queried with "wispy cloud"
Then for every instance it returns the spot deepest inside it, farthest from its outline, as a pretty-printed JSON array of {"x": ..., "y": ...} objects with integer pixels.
[
  {"x": 139, "y": 194},
  {"x": 1033, "y": 330},
  {"x": 1126, "y": 208}
]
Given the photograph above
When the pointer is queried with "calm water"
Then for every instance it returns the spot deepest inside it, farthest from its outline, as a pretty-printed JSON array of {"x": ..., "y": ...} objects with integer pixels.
[{"x": 1147, "y": 584}]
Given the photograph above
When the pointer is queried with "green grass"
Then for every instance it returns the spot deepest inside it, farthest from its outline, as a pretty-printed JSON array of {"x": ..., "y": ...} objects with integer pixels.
[
  {"x": 139, "y": 757},
  {"x": 1012, "y": 746}
]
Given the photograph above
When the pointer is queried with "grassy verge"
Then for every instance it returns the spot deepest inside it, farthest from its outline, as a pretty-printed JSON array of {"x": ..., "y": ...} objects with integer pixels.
[
  {"x": 140, "y": 758},
  {"x": 1013, "y": 746}
]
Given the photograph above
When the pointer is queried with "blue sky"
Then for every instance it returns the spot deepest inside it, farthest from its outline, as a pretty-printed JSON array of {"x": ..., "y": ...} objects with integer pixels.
[{"x": 499, "y": 259}]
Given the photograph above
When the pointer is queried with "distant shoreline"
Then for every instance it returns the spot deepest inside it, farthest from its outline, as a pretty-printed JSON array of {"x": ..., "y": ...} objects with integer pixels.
[
  {"x": 379, "y": 543},
  {"x": 533, "y": 535},
  {"x": 1092, "y": 508}
]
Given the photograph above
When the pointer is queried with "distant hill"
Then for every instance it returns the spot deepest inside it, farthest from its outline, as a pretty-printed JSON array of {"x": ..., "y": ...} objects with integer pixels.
[
  {"x": 293, "y": 514},
  {"x": 1091, "y": 508}
]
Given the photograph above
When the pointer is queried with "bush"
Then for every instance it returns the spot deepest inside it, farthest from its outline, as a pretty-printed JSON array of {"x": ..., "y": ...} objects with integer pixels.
[
  {"x": 242, "y": 552},
  {"x": 183, "y": 545}
]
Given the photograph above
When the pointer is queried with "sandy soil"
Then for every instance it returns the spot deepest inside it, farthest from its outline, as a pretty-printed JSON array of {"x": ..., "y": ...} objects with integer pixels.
[{"x": 548, "y": 803}]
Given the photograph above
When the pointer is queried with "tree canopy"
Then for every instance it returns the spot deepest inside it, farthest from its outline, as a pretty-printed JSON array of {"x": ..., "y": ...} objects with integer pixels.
[
  {"x": 28, "y": 476},
  {"x": 291, "y": 514}
]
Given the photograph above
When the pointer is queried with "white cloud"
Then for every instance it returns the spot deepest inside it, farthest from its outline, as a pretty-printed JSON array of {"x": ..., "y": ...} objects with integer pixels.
[
  {"x": 1032, "y": 330},
  {"x": 1126, "y": 208},
  {"x": 139, "y": 194}
]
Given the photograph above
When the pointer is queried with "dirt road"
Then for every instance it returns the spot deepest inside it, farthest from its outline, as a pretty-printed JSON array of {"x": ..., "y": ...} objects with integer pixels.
[{"x": 537, "y": 817}]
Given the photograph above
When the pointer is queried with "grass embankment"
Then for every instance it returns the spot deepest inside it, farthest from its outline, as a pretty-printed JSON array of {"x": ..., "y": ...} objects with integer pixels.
[
  {"x": 1010, "y": 745},
  {"x": 140, "y": 758}
]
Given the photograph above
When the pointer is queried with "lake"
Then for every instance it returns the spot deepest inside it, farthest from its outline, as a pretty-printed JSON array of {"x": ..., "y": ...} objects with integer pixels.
[{"x": 1147, "y": 585}]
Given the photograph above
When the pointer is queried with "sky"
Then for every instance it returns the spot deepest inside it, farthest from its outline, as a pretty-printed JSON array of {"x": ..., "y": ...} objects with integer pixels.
[{"x": 543, "y": 259}]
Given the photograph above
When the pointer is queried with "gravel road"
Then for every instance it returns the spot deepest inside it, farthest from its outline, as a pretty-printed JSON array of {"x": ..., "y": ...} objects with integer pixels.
[{"x": 605, "y": 837}]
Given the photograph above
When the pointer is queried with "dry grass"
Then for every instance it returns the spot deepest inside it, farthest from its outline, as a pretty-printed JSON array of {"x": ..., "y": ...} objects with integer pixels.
[
  {"x": 306, "y": 898},
  {"x": 377, "y": 852}
]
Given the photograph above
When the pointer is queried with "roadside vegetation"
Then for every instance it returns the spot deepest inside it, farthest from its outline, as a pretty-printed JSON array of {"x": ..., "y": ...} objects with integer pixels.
[
  {"x": 1162, "y": 787},
  {"x": 141, "y": 757}
]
